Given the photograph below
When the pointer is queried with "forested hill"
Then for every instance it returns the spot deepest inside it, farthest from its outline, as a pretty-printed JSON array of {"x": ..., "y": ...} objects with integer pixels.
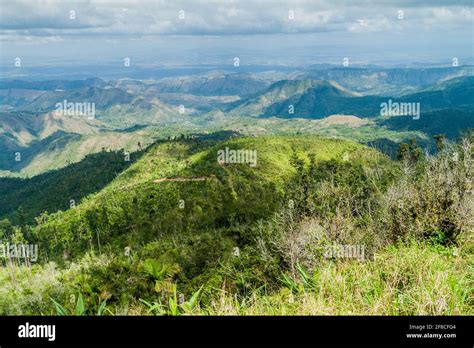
[
  {"x": 179, "y": 187},
  {"x": 21, "y": 200}
]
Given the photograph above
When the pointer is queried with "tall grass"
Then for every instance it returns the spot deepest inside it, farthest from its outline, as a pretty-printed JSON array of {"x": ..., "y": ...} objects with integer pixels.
[{"x": 410, "y": 279}]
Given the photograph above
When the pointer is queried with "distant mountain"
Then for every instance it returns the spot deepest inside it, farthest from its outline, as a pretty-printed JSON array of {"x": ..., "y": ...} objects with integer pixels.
[
  {"x": 115, "y": 106},
  {"x": 48, "y": 140},
  {"x": 305, "y": 99},
  {"x": 24, "y": 127},
  {"x": 31, "y": 134},
  {"x": 380, "y": 81},
  {"x": 214, "y": 85},
  {"x": 44, "y": 152},
  {"x": 454, "y": 93},
  {"x": 103, "y": 98},
  {"x": 35, "y": 142},
  {"x": 43, "y": 139},
  {"x": 457, "y": 82},
  {"x": 318, "y": 99},
  {"x": 13, "y": 98},
  {"x": 43, "y": 95},
  {"x": 199, "y": 94},
  {"x": 280, "y": 93},
  {"x": 51, "y": 85}
]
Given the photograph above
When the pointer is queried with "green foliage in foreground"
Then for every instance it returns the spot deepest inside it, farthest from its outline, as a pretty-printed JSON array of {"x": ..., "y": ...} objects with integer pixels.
[
  {"x": 254, "y": 240},
  {"x": 409, "y": 279},
  {"x": 406, "y": 279}
]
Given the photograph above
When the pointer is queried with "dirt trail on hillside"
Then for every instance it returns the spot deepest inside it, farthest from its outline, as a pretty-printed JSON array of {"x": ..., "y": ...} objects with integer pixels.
[{"x": 181, "y": 179}]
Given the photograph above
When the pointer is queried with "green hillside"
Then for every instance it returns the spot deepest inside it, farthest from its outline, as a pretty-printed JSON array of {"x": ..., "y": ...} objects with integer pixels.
[
  {"x": 133, "y": 208},
  {"x": 450, "y": 122},
  {"x": 22, "y": 200},
  {"x": 178, "y": 232}
]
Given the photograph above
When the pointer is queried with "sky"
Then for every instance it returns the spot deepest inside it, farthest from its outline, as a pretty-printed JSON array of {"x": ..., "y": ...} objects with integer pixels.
[{"x": 194, "y": 32}]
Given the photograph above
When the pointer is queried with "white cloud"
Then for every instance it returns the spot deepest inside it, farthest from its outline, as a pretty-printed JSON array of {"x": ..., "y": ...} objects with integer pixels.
[
  {"x": 102, "y": 17},
  {"x": 371, "y": 25}
]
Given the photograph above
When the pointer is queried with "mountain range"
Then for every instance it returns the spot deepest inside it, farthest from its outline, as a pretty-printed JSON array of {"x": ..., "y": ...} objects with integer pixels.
[
  {"x": 129, "y": 112},
  {"x": 318, "y": 99}
]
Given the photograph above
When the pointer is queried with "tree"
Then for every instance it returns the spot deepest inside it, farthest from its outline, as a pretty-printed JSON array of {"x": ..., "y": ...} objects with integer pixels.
[
  {"x": 6, "y": 229},
  {"x": 416, "y": 153},
  {"x": 403, "y": 152},
  {"x": 21, "y": 216},
  {"x": 440, "y": 142}
]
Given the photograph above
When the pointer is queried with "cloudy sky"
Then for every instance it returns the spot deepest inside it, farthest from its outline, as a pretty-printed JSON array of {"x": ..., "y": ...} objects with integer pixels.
[{"x": 192, "y": 32}]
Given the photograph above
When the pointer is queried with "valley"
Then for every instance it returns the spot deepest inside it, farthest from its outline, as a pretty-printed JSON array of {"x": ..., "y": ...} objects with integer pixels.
[{"x": 129, "y": 112}]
